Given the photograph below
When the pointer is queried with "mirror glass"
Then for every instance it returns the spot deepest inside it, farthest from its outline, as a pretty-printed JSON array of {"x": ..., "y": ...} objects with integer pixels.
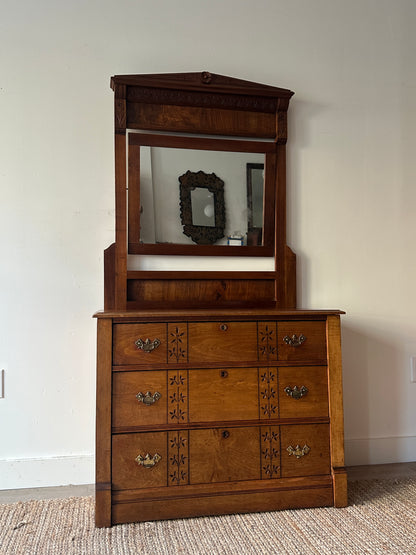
[
  {"x": 203, "y": 210},
  {"x": 160, "y": 212}
]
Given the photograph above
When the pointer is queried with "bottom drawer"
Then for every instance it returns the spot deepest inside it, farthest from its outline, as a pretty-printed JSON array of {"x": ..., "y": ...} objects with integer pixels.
[{"x": 212, "y": 455}]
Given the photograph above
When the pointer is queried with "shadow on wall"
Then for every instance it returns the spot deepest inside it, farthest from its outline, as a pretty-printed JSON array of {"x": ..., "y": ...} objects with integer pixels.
[{"x": 373, "y": 407}]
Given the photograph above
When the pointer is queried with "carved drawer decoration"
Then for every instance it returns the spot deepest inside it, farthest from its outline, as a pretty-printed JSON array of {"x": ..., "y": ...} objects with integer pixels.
[
  {"x": 178, "y": 396},
  {"x": 268, "y": 393},
  {"x": 177, "y": 343},
  {"x": 270, "y": 452},
  {"x": 267, "y": 341},
  {"x": 178, "y": 458}
]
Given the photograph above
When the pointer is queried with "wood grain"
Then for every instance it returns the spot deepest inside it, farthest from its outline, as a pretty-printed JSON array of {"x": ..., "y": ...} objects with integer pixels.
[
  {"x": 126, "y": 350},
  {"x": 224, "y": 455},
  {"x": 222, "y": 341},
  {"x": 317, "y": 461},
  {"x": 128, "y": 410},
  {"x": 103, "y": 425},
  {"x": 223, "y": 394},
  {"x": 315, "y": 402},
  {"x": 266, "y": 500},
  {"x": 314, "y": 346}
]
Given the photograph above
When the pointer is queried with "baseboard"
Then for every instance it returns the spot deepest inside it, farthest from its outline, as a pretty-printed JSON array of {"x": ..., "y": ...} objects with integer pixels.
[
  {"x": 380, "y": 450},
  {"x": 47, "y": 471}
]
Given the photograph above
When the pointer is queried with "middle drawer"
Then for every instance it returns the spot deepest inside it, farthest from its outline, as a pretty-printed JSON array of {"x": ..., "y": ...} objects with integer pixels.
[{"x": 148, "y": 398}]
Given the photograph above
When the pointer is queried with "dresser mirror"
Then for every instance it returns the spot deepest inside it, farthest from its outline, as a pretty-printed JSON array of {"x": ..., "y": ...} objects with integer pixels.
[{"x": 196, "y": 194}]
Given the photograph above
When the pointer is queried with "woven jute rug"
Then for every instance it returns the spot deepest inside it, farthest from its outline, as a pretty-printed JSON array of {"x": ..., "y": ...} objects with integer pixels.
[{"x": 381, "y": 518}]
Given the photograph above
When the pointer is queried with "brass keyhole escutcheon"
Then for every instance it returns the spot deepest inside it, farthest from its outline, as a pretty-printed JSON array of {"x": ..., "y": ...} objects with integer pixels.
[
  {"x": 223, "y": 327},
  {"x": 223, "y": 373},
  {"x": 225, "y": 434}
]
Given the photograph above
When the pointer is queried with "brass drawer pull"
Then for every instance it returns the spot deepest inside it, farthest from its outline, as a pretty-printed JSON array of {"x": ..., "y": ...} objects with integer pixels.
[
  {"x": 294, "y": 341},
  {"x": 147, "y": 398},
  {"x": 225, "y": 434},
  {"x": 223, "y": 373},
  {"x": 298, "y": 451},
  {"x": 296, "y": 392},
  {"x": 148, "y": 461},
  {"x": 147, "y": 346},
  {"x": 223, "y": 327}
]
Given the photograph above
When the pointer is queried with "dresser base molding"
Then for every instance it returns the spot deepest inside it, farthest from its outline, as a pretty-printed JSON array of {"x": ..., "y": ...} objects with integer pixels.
[{"x": 219, "y": 504}]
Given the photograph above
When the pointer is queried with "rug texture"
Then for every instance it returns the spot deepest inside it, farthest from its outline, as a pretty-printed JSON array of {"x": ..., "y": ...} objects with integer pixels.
[{"x": 381, "y": 519}]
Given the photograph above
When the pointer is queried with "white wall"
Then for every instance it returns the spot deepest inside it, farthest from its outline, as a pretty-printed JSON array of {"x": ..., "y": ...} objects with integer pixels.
[{"x": 351, "y": 168}]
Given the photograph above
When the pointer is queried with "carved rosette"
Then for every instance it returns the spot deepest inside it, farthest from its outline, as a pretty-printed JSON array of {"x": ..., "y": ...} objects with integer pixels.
[
  {"x": 268, "y": 393},
  {"x": 178, "y": 458},
  {"x": 178, "y": 396},
  {"x": 270, "y": 452},
  {"x": 267, "y": 341},
  {"x": 177, "y": 343}
]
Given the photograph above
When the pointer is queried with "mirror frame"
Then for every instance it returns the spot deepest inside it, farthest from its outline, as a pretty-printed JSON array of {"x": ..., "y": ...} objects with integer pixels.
[
  {"x": 200, "y": 234},
  {"x": 136, "y": 140}
]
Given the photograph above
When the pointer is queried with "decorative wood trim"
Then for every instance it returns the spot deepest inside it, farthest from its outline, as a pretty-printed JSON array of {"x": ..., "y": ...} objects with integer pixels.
[
  {"x": 267, "y": 341},
  {"x": 268, "y": 393},
  {"x": 177, "y": 343},
  {"x": 270, "y": 452},
  {"x": 153, "y": 95},
  {"x": 178, "y": 458},
  {"x": 205, "y": 82},
  {"x": 178, "y": 412}
]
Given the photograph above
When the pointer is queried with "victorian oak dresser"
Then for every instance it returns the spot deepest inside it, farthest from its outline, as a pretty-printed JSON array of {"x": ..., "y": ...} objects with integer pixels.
[{"x": 215, "y": 394}]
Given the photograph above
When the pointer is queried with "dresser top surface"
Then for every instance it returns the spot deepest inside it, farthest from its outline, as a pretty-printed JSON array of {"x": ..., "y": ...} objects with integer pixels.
[{"x": 219, "y": 314}]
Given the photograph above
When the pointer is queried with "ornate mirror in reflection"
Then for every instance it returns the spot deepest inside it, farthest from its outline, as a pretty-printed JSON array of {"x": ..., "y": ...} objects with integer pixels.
[{"x": 202, "y": 207}]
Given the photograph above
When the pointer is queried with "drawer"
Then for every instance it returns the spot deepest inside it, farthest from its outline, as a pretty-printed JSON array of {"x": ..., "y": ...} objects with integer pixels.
[
  {"x": 139, "y": 398},
  {"x": 222, "y": 341},
  {"x": 223, "y": 394},
  {"x": 304, "y": 450},
  {"x": 303, "y": 391},
  {"x": 301, "y": 341},
  {"x": 203, "y": 456},
  {"x": 139, "y": 344},
  {"x": 147, "y": 398}
]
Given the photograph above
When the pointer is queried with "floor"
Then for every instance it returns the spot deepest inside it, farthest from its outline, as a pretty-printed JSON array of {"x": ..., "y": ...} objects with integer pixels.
[{"x": 397, "y": 470}]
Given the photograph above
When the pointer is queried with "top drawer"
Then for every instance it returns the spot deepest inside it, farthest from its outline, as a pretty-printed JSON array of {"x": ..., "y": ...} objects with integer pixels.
[{"x": 153, "y": 344}]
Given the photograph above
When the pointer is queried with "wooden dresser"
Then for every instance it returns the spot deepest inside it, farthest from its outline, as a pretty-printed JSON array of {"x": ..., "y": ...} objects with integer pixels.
[{"x": 214, "y": 393}]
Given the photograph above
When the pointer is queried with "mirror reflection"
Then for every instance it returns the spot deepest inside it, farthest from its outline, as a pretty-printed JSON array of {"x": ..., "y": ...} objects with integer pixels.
[
  {"x": 203, "y": 211},
  {"x": 160, "y": 170}
]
